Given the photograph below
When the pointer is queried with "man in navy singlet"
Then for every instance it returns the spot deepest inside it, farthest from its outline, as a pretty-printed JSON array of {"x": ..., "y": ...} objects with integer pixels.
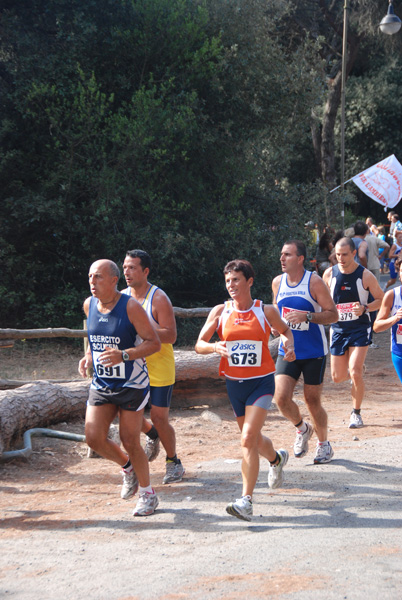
[
  {"x": 350, "y": 285},
  {"x": 306, "y": 306},
  {"x": 120, "y": 337}
]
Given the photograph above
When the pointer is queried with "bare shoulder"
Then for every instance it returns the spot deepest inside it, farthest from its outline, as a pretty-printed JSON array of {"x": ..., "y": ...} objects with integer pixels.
[
  {"x": 317, "y": 283},
  {"x": 161, "y": 296},
  {"x": 269, "y": 310},
  {"x": 85, "y": 306},
  {"x": 327, "y": 275},
  {"x": 276, "y": 281},
  {"x": 134, "y": 307},
  {"x": 161, "y": 301},
  {"x": 216, "y": 311}
]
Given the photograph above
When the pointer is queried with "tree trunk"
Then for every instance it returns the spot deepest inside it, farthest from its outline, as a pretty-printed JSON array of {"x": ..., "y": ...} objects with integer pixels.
[{"x": 41, "y": 403}]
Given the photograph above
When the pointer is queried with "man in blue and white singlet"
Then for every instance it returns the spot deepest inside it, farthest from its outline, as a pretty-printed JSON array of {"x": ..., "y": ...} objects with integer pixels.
[
  {"x": 120, "y": 337},
  {"x": 306, "y": 306},
  {"x": 390, "y": 316},
  {"x": 350, "y": 285}
]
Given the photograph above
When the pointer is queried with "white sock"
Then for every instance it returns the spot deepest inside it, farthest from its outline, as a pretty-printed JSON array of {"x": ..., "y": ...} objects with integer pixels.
[
  {"x": 147, "y": 490},
  {"x": 303, "y": 428}
]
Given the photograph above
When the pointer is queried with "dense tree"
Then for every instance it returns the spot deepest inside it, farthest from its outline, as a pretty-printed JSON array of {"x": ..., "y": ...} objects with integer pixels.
[{"x": 170, "y": 125}]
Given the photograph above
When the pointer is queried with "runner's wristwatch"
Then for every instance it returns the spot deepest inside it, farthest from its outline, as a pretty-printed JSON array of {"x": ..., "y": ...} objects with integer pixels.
[
  {"x": 125, "y": 356},
  {"x": 309, "y": 317}
]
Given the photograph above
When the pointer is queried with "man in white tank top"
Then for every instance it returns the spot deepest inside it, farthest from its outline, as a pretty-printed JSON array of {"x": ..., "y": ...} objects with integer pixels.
[
  {"x": 306, "y": 305},
  {"x": 161, "y": 368}
]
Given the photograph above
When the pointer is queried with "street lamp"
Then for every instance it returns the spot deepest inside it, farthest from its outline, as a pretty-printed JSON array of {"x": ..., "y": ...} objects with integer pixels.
[
  {"x": 343, "y": 86},
  {"x": 390, "y": 24}
]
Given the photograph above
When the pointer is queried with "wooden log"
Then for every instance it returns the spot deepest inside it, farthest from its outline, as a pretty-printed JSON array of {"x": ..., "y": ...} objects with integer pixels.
[
  {"x": 39, "y": 404},
  {"x": 43, "y": 403},
  {"x": 25, "y": 334}
]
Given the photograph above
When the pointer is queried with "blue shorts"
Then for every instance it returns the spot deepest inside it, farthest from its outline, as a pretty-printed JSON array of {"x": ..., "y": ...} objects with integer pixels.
[
  {"x": 161, "y": 396},
  {"x": 392, "y": 270},
  {"x": 341, "y": 341},
  {"x": 397, "y": 362},
  {"x": 250, "y": 392}
]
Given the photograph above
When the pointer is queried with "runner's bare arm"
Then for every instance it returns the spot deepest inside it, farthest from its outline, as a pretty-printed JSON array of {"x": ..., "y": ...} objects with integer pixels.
[
  {"x": 371, "y": 284},
  {"x": 274, "y": 318},
  {"x": 362, "y": 254},
  {"x": 321, "y": 293},
  {"x": 384, "y": 321},
  {"x": 150, "y": 340},
  {"x": 275, "y": 289},
  {"x": 391, "y": 253},
  {"x": 162, "y": 311},
  {"x": 203, "y": 346},
  {"x": 85, "y": 362}
]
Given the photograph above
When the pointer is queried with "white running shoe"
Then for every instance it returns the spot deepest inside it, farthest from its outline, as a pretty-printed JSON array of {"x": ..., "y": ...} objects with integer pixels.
[
  {"x": 275, "y": 473},
  {"x": 152, "y": 448},
  {"x": 300, "y": 447},
  {"x": 174, "y": 472},
  {"x": 130, "y": 484},
  {"x": 146, "y": 505},
  {"x": 355, "y": 421},
  {"x": 242, "y": 508},
  {"x": 324, "y": 453}
]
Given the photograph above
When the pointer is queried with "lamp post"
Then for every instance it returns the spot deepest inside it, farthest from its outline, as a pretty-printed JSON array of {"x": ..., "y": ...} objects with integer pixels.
[
  {"x": 343, "y": 87},
  {"x": 390, "y": 24}
]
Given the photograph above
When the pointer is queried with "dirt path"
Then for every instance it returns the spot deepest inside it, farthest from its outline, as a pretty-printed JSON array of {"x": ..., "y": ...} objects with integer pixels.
[{"x": 332, "y": 531}]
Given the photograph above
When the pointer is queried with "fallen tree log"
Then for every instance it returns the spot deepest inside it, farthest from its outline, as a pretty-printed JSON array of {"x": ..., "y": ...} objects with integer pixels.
[
  {"x": 39, "y": 404},
  {"x": 44, "y": 403}
]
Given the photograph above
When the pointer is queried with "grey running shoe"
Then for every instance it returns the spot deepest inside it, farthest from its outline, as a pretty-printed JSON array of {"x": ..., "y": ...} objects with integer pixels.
[
  {"x": 174, "y": 472},
  {"x": 300, "y": 447},
  {"x": 152, "y": 448},
  {"x": 242, "y": 508},
  {"x": 355, "y": 421},
  {"x": 275, "y": 473},
  {"x": 130, "y": 484},
  {"x": 146, "y": 505},
  {"x": 324, "y": 453}
]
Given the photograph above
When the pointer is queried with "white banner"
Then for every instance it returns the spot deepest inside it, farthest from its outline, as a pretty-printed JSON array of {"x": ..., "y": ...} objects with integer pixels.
[{"x": 382, "y": 182}]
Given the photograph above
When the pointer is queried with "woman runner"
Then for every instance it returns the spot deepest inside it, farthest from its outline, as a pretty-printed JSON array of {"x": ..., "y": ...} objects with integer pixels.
[{"x": 244, "y": 326}]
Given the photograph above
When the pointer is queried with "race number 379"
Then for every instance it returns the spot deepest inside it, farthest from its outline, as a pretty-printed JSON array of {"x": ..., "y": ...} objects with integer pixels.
[
  {"x": 244, "y": 353},
  {"x": 345, "y": 311}
]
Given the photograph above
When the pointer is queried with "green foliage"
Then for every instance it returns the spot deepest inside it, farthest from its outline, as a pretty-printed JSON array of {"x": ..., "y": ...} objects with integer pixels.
[{"x": 173, "y": 126}]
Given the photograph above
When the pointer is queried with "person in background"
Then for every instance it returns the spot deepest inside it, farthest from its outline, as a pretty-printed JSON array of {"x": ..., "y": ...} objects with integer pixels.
[
  {"x": 360, "y": 232},
  {"x": 393, "y": 253},
  {"x": 373, "y": 229},
  {"x": 382, "y": 256},
  {"x": 390, "y": 316},
  {"x": 324, "y": 250}
]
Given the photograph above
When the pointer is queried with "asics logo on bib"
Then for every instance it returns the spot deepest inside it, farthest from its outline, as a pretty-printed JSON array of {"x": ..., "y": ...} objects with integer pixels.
[
  {"x": 103, "y": 320},
  {"x": 240, "y": 346}
]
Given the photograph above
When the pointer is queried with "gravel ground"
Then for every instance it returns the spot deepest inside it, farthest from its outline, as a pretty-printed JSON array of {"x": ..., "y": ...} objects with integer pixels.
[{"x": 333, "y": 531}]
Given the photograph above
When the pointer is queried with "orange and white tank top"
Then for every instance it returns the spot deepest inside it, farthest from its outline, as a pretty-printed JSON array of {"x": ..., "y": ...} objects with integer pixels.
[{"x": 246, "y": 334}]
